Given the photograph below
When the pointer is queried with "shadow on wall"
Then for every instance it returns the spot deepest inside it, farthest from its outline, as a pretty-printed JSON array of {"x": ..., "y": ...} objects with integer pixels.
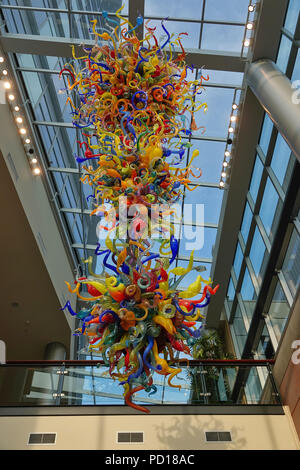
[{"x": 189, "y": 433}]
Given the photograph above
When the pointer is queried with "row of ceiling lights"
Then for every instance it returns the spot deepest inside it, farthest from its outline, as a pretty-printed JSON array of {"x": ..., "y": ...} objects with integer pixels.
[
  {"x": 249, "y": 25},
  {"x": 227, "y": 153},
  {"x": 7, "y": 85},
  {"x": 233, "y": 118}
]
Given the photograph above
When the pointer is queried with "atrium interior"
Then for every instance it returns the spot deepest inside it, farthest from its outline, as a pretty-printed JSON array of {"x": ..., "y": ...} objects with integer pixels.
[{"x": 240, "y": 390}]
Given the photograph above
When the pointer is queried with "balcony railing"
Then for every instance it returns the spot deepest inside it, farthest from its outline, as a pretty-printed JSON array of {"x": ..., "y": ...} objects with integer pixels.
[{"x": 86, "y": 383}]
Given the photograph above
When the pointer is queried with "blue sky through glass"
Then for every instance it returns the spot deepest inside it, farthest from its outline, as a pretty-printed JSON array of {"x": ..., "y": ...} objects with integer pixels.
[
  {"x": 229, "y": 10},
  {"x": 174, "y": 8}
]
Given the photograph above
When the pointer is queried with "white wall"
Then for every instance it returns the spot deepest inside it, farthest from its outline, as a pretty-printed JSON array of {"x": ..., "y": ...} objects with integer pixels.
[{"x": 162, "y": 432}]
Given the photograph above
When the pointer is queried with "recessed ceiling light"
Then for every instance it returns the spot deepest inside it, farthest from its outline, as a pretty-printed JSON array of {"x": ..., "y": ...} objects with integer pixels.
[
  {"x": 249, "y": 26},
  {"x": 231, "y": 129},
  {"x": 251, "y": 8},
  {"x": 247, "y": 43},
  {"x": 27, "y": 141},
  {"x": 223, "y": 174},
  {"x": 23, "y": 131},
  {"x": 7, "y": 85},
  {"x": 234, "y": 106},
  {"x": 222, "y": 184},
  {"x": 34, "y": 160},
  {"x": 233, "y": 118},
  {"x": 11, "y": 97},
  {"x": 19, "y": 119},
  {"x": 5, "y": 72},
  {"x": 227, "y": 153},
  {"x": 225, "y": 164},
  {"x": 1, "y": 59},
  {"x": 36, "y": 171},
  {"x": 17, "y": 108}
]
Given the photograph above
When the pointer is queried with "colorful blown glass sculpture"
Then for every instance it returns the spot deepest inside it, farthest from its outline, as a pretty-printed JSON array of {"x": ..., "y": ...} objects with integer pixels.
[{"x": 132, "y": 102}]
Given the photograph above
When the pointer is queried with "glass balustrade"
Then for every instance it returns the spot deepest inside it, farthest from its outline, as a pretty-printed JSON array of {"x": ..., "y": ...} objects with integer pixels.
[{"x": 88, "y": 383}]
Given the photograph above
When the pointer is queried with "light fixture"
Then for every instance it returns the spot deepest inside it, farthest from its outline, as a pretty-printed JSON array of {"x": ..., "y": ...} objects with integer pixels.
[
  {"x": 17, "y": 108},
  {"x": 227, "y": 153},
  {"x": 36, "y": 171},
  {"x": 231, "y": 129},
  {"x": 234, "y": 106},
  {"x": 23, "y": 131},
  {"x": 222, "y": 184},
  {"x": 7, "y": 85},
  {"x": 5, "y": 72},
  {"x": 249, "y": 26},
  {"x": 225, "y": 164},
  {"x": 11, "y": 97},
  {"x": 247, "y": 43},
  {"x": 251, "y": 8},
  {"x": 223, "y": 174},
  {"x": 233, "y": 118},
  {"x": 1, "y": 59},
  {"x": 19, "y": 120},
  {"x": 33, "y": 160},
  {"x": 27, "y": 141}
]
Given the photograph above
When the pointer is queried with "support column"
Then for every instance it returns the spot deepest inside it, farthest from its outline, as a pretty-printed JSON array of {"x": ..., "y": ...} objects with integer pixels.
[
  {"x": 276, "y": 95},
  {"x": 55, "y": 352}
]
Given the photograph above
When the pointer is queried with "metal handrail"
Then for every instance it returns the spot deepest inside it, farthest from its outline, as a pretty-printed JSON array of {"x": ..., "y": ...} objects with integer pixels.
[{"x": 191, "y": 363}]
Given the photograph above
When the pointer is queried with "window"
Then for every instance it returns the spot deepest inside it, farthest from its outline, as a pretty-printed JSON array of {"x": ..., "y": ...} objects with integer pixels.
[
  {"x": 248, "y": 294},
  {"x": 239, "y": 330},
  {"x": 291, "y": 265},
  {"x": 280, "y": 159},
  {"x": 292, "y": 16},
  {"x": 230, "y": 294},
  {"x": 232, "y": 37},
  {"x": 268, "y": 209},
  {"x": 256, "y": 178},
  {"x": 284, "y": 53},
  {"x": 232, "y": 10},
  {"x": 266, "y": 134},
  {"x": 238, "y": 260},
  {"x": 192, "y": 9},
  {"x": 247, "y": 219},
  {"x": 278, "y": 311},
  {"x": 265, "y": 348},
  {"x": 258, "y": 255}
]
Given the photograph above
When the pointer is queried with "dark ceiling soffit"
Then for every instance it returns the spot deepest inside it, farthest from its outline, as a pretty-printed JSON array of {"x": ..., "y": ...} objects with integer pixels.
[
  {"x": 61, "y": 47},
  {"x": 269, "y": 23}
]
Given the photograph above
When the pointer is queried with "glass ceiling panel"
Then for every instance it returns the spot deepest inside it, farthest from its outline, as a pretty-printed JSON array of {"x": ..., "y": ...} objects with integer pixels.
[
  {"x": 177, "y": 27},
  {"x": 200, "y": 239},
  {"x": 221, "y": 37},
  {"x": 230, "y": 10},
  {"x": 48, "y": 105},
  {"x": 111, "y": 6},
  {"x": 48, "y": 3},
  {"x": 216, "y": 118},
  {"x": 190, "y": 277},
  {"x": 212, "y": 200},
  {"x": 174, "y": 9},
  {"x": 210, "y": 160},
  {"x": 223, "y": 76}
]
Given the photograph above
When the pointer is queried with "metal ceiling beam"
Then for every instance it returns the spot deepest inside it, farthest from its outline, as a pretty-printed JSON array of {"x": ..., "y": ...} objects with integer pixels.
[{"x": 61, "y": 47}]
